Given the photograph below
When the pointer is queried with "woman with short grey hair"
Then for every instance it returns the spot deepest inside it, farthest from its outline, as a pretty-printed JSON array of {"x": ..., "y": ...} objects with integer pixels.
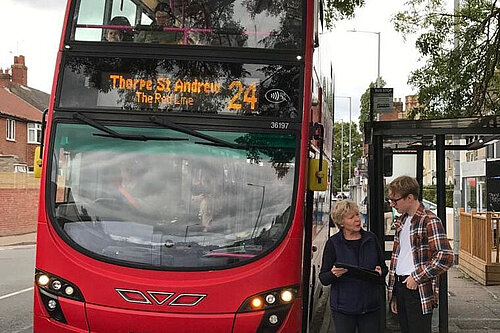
[{"x": 352, "y": 258}]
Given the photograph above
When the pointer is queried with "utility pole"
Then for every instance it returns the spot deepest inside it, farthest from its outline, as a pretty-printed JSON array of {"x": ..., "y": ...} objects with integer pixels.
[{"x": 456, "y": 166}]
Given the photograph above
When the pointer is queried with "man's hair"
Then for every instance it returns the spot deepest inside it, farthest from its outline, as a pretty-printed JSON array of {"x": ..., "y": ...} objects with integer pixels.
[
  {"x": 340, "y": 209},
  {"x": 127, "y": 35},
  {"x": 404, "y": 186},
  {"x": 119, "y": 20}
]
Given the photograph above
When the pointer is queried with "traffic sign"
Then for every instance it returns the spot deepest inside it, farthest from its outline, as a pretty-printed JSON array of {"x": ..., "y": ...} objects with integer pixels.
[{"x": 382, "y": 99}]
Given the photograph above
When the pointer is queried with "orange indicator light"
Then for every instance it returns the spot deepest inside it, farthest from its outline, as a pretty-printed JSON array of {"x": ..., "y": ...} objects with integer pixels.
[{"x": 256, "y": 303}]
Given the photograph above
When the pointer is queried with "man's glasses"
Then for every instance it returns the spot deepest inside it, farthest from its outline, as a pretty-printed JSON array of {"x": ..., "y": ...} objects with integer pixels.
[{"x": 395, "y": 201}]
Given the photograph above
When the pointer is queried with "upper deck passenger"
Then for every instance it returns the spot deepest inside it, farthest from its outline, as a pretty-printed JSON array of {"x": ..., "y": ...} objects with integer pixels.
[
  {"x": 118, "y": 35},
  {"x": 164, "y": 18}
]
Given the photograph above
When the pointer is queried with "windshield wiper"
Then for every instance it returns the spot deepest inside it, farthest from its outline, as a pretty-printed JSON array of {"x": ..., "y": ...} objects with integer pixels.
[
  {"x": 123, "y": 136},
  {"x": 212, "y": 140}
]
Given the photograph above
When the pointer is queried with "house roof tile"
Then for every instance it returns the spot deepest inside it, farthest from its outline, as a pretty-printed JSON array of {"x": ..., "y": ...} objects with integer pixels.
[{"x": 23, "y": 102}]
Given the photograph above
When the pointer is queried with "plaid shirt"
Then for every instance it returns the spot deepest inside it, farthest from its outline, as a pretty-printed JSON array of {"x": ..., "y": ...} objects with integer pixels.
[{"x": 432, "y": 255}]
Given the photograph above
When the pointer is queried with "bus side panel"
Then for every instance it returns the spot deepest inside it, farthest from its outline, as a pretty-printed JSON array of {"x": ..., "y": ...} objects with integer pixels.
[{"x": 125, "y": 321}]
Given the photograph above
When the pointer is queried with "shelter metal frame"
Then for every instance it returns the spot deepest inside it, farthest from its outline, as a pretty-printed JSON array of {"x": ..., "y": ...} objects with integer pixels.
[{"x": 415, "y": 136}]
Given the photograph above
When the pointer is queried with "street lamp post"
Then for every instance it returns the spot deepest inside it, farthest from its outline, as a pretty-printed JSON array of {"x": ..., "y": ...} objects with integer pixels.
[
  {"x": 377, "y": 82},
  {"x": 350, "y": 133},
  {"x": 342, "y": 157}
]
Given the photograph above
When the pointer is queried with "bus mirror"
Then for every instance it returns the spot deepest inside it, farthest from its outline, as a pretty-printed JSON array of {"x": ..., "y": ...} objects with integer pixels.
[
  {"x": 37, "y": 163},
  {"x": 318, "y": 179}
]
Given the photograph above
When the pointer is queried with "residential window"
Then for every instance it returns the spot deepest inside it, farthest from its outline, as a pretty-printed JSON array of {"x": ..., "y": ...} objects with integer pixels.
[
  {"x": 34, "y": 133},
  {"x": 11, "y": 129}
]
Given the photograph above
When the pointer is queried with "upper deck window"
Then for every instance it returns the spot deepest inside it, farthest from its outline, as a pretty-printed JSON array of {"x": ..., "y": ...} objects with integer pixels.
[{"x": 233, "y": 23}]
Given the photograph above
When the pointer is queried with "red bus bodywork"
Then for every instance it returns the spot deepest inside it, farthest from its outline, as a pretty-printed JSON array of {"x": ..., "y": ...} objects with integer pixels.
[{"x": 217, "y": 294}]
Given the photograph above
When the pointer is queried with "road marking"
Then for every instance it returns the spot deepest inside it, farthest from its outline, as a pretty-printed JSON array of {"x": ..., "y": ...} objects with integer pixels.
[{"x": 16, "y": 293}]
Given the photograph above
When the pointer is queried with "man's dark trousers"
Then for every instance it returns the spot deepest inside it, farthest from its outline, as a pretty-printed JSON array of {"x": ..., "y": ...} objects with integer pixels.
[{"x": 411, "y": 319}]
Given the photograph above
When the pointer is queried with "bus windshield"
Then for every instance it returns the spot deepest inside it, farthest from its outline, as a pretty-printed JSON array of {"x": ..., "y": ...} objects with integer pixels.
[
  {"x": 160, "y": 198},
  {"x": 234, "y": 23}
]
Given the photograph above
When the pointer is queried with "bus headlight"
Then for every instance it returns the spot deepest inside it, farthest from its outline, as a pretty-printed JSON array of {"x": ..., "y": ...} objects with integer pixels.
[
  {"x": 42, "y": 280},
  {"x": 286, "y": 296},
  {"x": 269, "y": 299},
  {"x": 56, "y": 286},
  {"x": 274, "y": 303}
]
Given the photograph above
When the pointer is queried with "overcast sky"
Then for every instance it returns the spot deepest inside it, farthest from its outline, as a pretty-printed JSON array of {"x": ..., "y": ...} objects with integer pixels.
[
  {"x": 355, "y": 56},
  {"x": 33, "y": 28}
]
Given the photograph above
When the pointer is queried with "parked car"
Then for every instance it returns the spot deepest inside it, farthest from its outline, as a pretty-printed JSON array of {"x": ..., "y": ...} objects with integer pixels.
[{"x": 430, "y": 205}]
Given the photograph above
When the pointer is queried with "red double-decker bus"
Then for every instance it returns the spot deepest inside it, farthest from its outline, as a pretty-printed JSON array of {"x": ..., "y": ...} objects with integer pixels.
[{"x": 183, "y": 144}]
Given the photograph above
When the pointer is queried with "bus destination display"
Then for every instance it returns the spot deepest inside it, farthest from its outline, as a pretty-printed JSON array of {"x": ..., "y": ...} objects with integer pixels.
[
  {"x": 172, "y": 92},
  {"x": 163, "y": 85}
]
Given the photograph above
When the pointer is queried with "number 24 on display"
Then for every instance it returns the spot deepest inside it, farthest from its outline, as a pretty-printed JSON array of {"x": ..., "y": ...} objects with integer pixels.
[{"x": 249, "y": 96}]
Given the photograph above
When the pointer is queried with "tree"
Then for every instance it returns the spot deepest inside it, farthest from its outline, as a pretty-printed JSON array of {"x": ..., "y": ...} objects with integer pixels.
[
  {"x": 336, "y": 10},
  {"x": 461, "y": 74},
  {"x": 356, "y": 150},
  {"x": 364, "y": 114}
]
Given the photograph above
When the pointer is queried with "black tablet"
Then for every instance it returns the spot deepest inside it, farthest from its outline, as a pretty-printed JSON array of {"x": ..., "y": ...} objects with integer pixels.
[{"x": 361, "y": 273}]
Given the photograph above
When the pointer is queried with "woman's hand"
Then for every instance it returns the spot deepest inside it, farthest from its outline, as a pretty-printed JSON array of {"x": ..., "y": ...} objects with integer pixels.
[
  {"x": 338, "y": 271},
  {"x": 378, "y": 269},
  {"x": 393, "y": 305}
]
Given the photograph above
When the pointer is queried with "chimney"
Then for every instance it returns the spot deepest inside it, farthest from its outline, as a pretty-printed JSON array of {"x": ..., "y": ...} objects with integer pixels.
[
  {"x": 19, "y": 71},
  {"x": 4, "y": 78}
]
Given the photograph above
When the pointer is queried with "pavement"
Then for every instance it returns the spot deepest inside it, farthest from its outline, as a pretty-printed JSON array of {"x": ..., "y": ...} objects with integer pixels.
[
  {"x": 472, "y": 307},
  {"x": 24, "y": 239}
]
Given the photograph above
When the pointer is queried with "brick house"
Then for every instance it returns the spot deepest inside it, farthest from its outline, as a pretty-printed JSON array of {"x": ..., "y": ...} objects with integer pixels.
[
  {"x": 21, "y": 109},
  {"x": 397, "y": 111}
]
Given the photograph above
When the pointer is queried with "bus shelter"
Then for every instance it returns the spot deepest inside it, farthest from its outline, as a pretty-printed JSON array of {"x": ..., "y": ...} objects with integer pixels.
[{"x": 421, "y": 139}]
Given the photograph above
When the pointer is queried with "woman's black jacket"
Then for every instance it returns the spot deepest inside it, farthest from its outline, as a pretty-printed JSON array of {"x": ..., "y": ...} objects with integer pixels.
[{"x": 350, "y": 295}]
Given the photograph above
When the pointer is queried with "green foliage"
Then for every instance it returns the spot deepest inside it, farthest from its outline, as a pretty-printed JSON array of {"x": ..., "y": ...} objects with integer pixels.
[
  {"x": 460, "y": 76},
  {"x": 356, "y": 150},
  {"x": 429, "y": 193},
  {"x": 336, "y": 10}
]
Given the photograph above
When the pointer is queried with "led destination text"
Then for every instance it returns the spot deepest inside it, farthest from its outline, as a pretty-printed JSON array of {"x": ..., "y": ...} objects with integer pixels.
[{"x": 163, "y": 90}]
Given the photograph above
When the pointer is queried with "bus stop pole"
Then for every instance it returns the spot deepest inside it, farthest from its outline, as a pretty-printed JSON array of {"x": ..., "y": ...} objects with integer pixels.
[
  {"x": 376, "y": 195},
  {"x": 441, "y": 212},
  {"x": 420, "y": 169}
]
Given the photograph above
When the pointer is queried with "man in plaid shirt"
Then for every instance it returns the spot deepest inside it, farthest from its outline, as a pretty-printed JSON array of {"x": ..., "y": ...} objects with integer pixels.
[{"x": 421, "y": 253}]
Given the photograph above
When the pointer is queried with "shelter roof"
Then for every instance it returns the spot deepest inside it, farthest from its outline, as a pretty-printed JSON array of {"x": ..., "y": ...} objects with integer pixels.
[{"x": 474, "y": 132}]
